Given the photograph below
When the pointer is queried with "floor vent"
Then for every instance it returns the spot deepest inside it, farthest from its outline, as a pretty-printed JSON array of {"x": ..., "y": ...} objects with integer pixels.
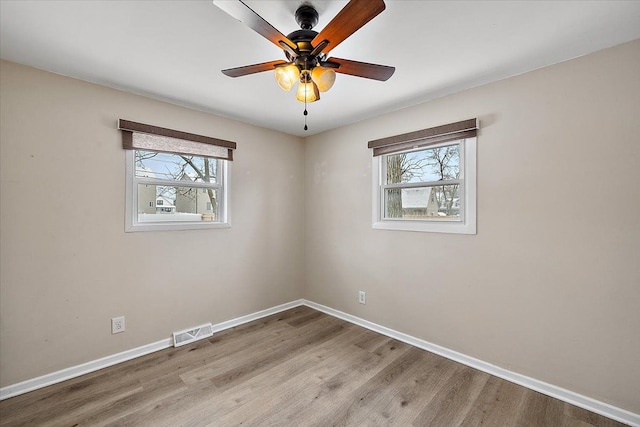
[{"x": 190, "y": 335}]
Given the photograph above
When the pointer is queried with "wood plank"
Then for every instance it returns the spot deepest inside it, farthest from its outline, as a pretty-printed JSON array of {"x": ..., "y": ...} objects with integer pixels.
[
  {"x": 539, "y": 410},
  {"x": 318, "y": 401},
  {"x": 414, "y": 394},
  {"x": 368, "y": 400},
  {"x": 575, "y": 416},
  {"x": 292, "y": 396},
  {"x": 500, "y": 402},
  {"x": 454, "y": 399}
]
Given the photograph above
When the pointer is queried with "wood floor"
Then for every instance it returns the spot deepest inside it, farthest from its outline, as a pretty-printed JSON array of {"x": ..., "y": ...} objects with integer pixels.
[{"x": 296, "y": 368}]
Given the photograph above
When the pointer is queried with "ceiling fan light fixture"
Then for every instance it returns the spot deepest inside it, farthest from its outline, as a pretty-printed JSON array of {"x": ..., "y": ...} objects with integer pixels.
[
  {"x": 307, "y": 92},
  {"x": 307, "y": 50},
  {"x": 287, "y": 76},
  {"x": 324, "y": 77}
]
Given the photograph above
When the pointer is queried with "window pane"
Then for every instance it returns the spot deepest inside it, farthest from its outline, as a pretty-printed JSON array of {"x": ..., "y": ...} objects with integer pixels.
[
  {"x": 166, "y": 203},
  {"x": 433, "y": 164},
  {"x": 439, "y": 202},
  {"x": 175, "y": 167}
]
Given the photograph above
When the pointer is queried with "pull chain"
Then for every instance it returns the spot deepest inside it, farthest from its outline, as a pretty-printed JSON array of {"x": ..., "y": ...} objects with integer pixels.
[
  {"x": 305, "y": 96},
  {"x": 305, "y": 110}
]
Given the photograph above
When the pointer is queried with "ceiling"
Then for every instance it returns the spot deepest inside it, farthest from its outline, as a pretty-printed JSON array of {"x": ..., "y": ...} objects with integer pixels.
[{"x": 174, "y": 50}]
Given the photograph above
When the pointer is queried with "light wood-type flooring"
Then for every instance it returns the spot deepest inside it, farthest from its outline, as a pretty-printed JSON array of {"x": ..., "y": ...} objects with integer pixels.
[{"x": 300, "y": 367}]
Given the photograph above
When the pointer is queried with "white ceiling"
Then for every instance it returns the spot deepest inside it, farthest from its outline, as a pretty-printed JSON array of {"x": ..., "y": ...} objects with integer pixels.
[{"x": 174, "y": 50}]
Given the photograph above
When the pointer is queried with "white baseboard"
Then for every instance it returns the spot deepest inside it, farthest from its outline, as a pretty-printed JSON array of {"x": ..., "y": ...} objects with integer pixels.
[
  {"x": 257, "y": 315},
  {"x": 94, "y": 365},
  {"x": 560, "y": 393},
  {"x": 84, "y": 368}
]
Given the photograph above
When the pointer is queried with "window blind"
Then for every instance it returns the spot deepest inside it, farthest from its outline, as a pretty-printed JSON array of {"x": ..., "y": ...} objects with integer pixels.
[
  {"x": 139, "y": 136},
  {"x": 424, "y": 137}
]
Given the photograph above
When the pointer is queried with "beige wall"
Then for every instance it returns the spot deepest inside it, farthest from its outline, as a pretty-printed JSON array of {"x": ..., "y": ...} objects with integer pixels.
[
  {"x": 68, "y": 267},
  {"x": 550, "y": 285}
]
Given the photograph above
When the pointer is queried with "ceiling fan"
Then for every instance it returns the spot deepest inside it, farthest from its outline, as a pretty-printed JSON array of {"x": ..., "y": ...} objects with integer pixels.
[{"x": 306, "y": 50}]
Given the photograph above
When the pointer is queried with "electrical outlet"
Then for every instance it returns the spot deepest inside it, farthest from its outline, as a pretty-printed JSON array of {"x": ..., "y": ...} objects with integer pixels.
[
  {"x": 117, "y": 325},
  {"x": 362, "y": 297}
]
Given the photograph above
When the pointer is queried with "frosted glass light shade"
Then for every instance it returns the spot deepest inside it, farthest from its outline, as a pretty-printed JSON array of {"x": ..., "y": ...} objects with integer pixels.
[
  {"x": 311, "y": 91},
  {"x": 287, "y": 76},
  {"x": 323, "y": 77}
]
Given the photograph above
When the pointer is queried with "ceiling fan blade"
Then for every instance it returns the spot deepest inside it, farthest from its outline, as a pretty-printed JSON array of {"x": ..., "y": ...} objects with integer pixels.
[
  {"x": 250, "y": 18},
  {"x": 251, "y": 69},
  {"x": 361, "y": 69},
  {"x": 349, "y": 20}
]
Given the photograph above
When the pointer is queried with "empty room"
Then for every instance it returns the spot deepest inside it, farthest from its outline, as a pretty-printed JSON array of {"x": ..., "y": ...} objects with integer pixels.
[{"x": 319, "y": 213}]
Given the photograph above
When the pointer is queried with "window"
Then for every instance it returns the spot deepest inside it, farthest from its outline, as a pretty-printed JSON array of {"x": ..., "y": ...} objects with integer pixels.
[
  {"x": 425, "y": 180},
  {"x": 171, "y": 185}
]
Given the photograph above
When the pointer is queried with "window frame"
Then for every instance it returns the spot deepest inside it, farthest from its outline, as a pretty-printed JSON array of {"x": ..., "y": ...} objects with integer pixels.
[
  {"x": 222, "y": 186},
  {"x": 467, "y": 222}
]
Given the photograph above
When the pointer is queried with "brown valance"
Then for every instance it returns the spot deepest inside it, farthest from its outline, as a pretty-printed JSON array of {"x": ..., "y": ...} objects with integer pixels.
[
  {"x": 138, "y": 136},
  {"x": 424, "y": 137}
]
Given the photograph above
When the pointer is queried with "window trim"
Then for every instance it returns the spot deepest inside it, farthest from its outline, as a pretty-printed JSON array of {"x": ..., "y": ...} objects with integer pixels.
[
  {"x": 465, "y": 225},
  {"x": 131, "y": 203}
]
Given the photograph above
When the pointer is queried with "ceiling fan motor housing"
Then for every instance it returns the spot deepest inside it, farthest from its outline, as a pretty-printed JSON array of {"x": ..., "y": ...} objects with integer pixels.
[
  {"x": 302, "y": 39},
  {"x": 307, "y": 16}
]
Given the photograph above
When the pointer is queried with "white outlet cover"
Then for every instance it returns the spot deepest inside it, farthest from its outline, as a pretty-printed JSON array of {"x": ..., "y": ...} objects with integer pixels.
[{"x": 117, "y": 325}]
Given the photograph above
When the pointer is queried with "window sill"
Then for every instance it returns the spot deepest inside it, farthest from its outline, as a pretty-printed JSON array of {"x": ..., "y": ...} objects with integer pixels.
[
  {"x": 130, "y": 228},
  {"x": 426, "y": 226}
]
